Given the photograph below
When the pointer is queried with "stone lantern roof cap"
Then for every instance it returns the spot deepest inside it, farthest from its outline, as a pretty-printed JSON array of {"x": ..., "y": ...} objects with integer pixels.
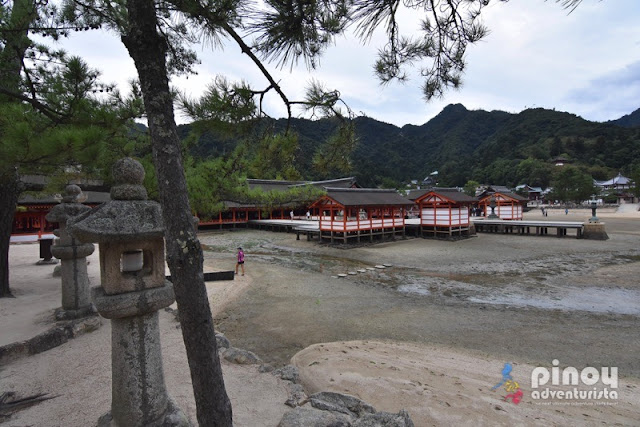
[
  {"x": 70, "y": 206},
  {"x": 129, "y": 216}
]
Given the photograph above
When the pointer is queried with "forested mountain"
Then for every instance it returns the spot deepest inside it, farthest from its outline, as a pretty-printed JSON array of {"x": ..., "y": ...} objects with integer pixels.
[
  {"x": 629, "y": 121},
  {"x": 489, "y": 147}
]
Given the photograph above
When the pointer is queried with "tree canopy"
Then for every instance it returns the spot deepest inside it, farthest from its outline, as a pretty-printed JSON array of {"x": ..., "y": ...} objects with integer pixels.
[
  {"x": 56, "y": 117},
  {"x": 572, "y": 185}
]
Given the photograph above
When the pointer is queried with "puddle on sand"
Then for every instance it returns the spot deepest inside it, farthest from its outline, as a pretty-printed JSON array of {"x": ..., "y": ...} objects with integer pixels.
[
  {"x": 437, "y": 286},
  {"x": 414, "y": 288},
  {"x": 591, "y": 299},
  {"x": 596, "y": 300}
]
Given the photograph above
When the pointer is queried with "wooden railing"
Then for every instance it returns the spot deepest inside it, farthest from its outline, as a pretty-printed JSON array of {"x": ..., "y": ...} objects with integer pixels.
[{"x": 353, "y": 224}]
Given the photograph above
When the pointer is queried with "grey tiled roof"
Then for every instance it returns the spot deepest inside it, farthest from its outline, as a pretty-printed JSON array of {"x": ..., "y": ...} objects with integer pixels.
[
  {"x": 282, "y": 185},
  {"x": 415, "y": 194},
  {"x": 367, "y": 197}
]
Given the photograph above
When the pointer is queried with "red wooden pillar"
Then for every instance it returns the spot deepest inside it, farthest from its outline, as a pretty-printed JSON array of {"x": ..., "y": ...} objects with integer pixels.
[{"x": 345, "y": 215}]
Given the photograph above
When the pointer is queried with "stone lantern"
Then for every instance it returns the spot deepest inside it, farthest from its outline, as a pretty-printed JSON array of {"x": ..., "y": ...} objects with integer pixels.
[
  {"x": 594, "y": 229},
  {"x": 129, "y": 231},
  {"x": 594, "y": 206},
  {"x": 76, "y": 297},
  {"x": 492, "y": 205}
]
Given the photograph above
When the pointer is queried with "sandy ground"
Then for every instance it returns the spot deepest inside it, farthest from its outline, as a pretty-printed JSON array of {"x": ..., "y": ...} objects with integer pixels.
[
  {"x": 429, "y": 334},
  {"x": 443, "y": 386},
  {"x": 78, "y": 373}
]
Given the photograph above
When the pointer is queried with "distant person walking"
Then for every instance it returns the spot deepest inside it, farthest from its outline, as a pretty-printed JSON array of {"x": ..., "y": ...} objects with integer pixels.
[
  {"x": 240, "y": 262},
  {"x": 291, "y": 215},
  {"x": 566, "y": 211},
  {"x": 308, "y": 215}
]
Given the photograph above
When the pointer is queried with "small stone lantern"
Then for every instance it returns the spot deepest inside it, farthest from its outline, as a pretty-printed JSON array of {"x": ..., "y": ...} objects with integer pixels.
[
  {"x": 492, "y": 205},
  {"x": 594, "y": 207},
  {"x": 76, "y": 295},
  {"x": 129, "y": 231}
]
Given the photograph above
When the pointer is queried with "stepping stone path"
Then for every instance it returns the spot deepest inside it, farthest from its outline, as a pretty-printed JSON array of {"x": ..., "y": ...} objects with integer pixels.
[
  {"x": 380, "y": 266},
  {"x": 388, "y": 265},
  {"x": 342, "y": 275},
  {"x": 370, "y": 268},
  {"x": 362, "y": 270},
  {"x": 352, "y": 273}
]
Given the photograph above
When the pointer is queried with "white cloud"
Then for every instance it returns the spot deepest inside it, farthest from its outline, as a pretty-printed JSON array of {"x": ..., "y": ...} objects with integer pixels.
[{"x": 536, "y": 55}]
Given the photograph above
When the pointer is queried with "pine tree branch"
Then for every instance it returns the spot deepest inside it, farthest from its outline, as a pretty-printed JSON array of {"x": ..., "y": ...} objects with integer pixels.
[{"x": 50, "y": 113}]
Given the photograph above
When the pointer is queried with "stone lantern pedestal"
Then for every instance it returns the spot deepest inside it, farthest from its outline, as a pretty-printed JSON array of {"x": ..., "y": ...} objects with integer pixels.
[
  {"x": 130, "y": 234},
  {"x": 76, "y": 295},
  {"x": 594, "y": 229}
]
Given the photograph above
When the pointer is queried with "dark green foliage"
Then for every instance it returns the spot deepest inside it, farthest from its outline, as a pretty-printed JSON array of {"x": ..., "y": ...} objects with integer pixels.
[
  {"x": 487, "y": 147},
  {"x": 534, "y": 172},
  {"x": 333, "y": 157},
  {"x": 628, "y": 121},
  {"x": 290, "y": 30},
  {"x": 275, "y": 157},
  {"x": 572, "y": 185},
  {"x": 635, "y": 176}
]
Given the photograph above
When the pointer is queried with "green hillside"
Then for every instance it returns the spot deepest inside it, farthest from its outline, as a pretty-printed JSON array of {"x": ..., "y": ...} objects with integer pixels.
[
  {"x": 629, "y": 121},
  {"x": 491, "y": 147}
]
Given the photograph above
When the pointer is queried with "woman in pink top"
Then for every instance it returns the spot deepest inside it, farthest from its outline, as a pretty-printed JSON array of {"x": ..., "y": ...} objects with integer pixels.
[{"x": 240, "y": 261}]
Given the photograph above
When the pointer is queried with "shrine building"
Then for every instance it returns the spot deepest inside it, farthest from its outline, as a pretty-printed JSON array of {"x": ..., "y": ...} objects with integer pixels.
[{"x": 355, "y": 213}]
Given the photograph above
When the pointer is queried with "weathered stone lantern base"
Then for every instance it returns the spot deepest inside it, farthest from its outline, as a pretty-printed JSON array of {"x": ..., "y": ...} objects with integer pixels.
[
  {"x": 595, "y": 231},
  {"x": 62, "y": 314},
  {"x": 172, "y": 418},
  {"x": 139, "y": 395},
  {"x": 76, "y": 292}
]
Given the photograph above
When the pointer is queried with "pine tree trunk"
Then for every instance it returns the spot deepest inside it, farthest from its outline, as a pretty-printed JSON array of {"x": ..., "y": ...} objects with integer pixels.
[
  {"x": 10, "y": 188},
  {"x": 23, "y": 13},
  {"x": 184, "y": 254}
]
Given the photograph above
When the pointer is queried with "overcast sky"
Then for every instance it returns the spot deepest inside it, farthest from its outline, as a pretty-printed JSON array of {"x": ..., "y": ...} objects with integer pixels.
[{"x": 536, "y": 55}]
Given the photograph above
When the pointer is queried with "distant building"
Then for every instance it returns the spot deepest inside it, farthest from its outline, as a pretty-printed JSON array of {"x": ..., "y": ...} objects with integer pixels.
[
  {"x": 508, "y": 205},
  {"x": 444, "y": 212},
  {"x": 561, "y": 161},
  {"x": 360, "y": 213},
  {"x": 31, "y": 211},
  {"x": 485, "y": 190},
  {"x": 239, "y": 212},
  {"x": 431, "y": 180},
  {"x": 618, "y": 186},
  {"x": 533, "y": 193},
  {"x": 618, "y": 183}
]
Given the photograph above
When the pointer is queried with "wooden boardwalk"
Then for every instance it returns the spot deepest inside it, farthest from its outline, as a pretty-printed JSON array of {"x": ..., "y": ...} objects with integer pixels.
[
  {"x": 311, "y": 228},
  {"x": 538, "y": 228}
]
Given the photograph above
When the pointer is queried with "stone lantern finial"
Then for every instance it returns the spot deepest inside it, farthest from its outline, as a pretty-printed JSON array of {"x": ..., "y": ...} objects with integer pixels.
[
  {"x": 72, "y": 194},
  {"x": 128, "y": 175}
]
